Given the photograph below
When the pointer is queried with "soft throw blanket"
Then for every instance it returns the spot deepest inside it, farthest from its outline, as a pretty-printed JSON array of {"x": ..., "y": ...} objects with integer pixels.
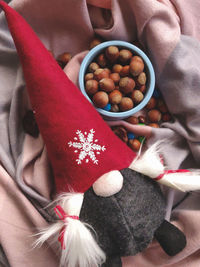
[{"x": 169, "y": 32}]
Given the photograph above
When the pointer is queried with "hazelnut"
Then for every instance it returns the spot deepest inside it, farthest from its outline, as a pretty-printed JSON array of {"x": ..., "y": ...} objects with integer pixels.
[
  {"x": 166, "y": 117},
  {"x": 142, "y": 78},
  {"x": 121, "y": 133},
  {"x": 100, "y": 99},
  {"x": 154, "y": 115},
  {"x": 115, "y": 97},
  {"x": 115, "y": 77},
  {"x": 142, "y": 88},
  {"x": 117, "y": 68},
  {"x": 91, "y": 87},
  {"x": 89, "y": 76},
  {"x": 162, "y": 106},
  {"x": 136, "y": 58},
  {"x": 126, "y": 85},
  {"x": 125, "y": 71},
  {"x": 126, "y": 104},
  {"x": 95, "y": 42},
  {"x": 107, "y": 84},
  {"x": 137, "y": 96},
  {"x": 64, "y": 58},
  {"x": 108, "y": 70},
  {"x": 114, "y": 108},
  {"x": 112, "y": 53},
  {"x": 154, "y": 125},
  {"x": 100, "y": 74},
  {"x": 132, "y": 120},
  {"x": 125, "y": 55},
  {"x": 152, "y": 103},
  {"x": 142, "y": 119},
  {"x": 93, "y": 66},
  {"x": 134, "y": 144},
  {"x": 102, "y": 61},
  {"x": 136, "y": 67}
]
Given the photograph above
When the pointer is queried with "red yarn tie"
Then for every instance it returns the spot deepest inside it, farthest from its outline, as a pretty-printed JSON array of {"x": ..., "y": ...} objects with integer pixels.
[
  {"x": 168, "y": 172},
  {"x": 62, "y": 216}
]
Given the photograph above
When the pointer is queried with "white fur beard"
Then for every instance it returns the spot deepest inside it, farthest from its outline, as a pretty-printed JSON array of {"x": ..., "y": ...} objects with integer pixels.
[
  {"x": 80, "y": 247},
  {"x": 150, "y": 165}
]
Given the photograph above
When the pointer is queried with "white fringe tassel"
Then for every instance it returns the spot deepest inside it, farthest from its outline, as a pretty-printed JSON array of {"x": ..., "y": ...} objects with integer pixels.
[
  {"x": 81, "y": 249},
  {"x": 150, "y": 165}
]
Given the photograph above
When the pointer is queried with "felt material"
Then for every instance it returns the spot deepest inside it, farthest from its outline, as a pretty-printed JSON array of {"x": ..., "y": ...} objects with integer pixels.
[
  {"x": 113, "y": 262},
  {"x": 108, "y": 184},
  {"x": 171, "y": 239},
  {"x": 77, "y": 146},
  {"x": 125, "y": 222}
]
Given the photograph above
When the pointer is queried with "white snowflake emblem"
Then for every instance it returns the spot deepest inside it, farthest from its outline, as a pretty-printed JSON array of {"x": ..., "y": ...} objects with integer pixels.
[{"x": 86, "y": 146}]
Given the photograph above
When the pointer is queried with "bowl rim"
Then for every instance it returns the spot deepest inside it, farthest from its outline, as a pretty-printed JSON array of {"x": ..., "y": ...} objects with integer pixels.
[{"x": 93, "y": 53}]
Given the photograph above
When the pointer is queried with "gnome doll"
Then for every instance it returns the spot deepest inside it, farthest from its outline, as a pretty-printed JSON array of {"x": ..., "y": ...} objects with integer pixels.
[{"x": 106, "y": 206}]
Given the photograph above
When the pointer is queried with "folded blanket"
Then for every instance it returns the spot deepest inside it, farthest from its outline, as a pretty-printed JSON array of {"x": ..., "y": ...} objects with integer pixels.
[{"x": 169, "y": 33}]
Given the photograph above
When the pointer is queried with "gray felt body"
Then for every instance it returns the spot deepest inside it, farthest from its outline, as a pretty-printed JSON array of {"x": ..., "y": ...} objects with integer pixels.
[{"x": 125, "y": 222}]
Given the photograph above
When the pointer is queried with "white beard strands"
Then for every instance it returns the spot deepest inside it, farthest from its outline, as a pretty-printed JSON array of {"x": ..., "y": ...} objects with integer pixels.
[
  {"x": 150, "y": 164},
  {"x": 81, "y": 249}
]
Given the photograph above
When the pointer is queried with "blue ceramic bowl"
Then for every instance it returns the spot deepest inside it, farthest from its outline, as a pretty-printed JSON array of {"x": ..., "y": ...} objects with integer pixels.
[{"x": 93, "y": 53}]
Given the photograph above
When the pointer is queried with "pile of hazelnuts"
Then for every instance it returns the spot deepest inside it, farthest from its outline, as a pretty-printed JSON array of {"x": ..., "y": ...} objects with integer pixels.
[
  {"x": 116, "y": 79},
  {"x": 154, "y": 113}
]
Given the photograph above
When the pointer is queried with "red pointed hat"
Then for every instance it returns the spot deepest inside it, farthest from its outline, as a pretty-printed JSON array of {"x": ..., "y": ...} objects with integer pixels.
[{"x": 80, "y": 145}]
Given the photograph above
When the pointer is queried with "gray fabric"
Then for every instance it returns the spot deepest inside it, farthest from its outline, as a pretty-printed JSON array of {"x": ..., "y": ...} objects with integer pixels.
[
  {"x": 125, "y": 222},
  {"x": 12, "y": 109},
  {"x": 10, "y": 131},
  {"x": 10, "y": 112},
  {"x": 180, "y": 80}
]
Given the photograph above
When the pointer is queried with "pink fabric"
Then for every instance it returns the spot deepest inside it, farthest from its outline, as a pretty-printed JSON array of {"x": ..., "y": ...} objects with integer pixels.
[
  {"x": 157, "y": 25},
  {"x": 35, "y": 164},
  {"x": 18, "y": 221},
  {"x": 189, "y": 16}
]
